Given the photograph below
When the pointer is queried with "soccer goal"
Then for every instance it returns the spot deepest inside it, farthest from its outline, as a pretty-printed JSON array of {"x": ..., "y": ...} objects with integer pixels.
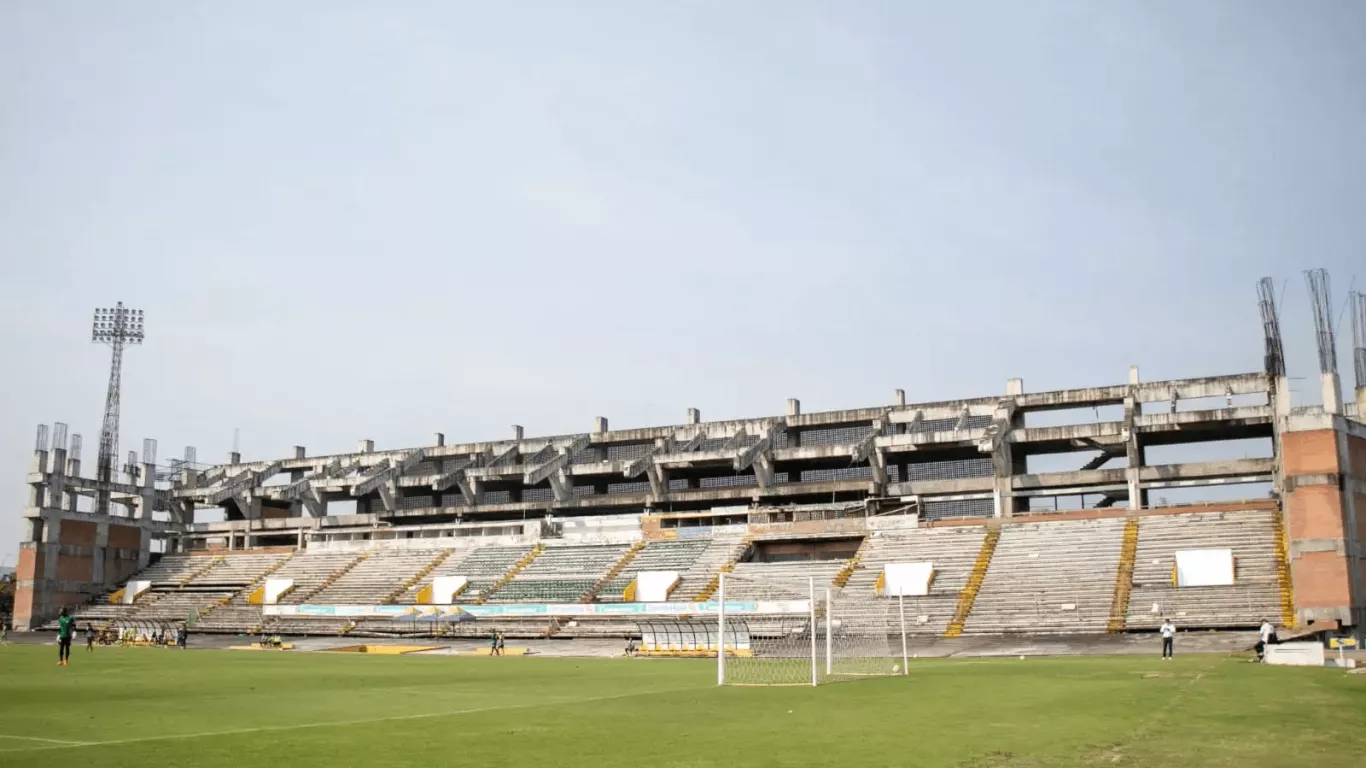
[{"x": 796, "y": 631}]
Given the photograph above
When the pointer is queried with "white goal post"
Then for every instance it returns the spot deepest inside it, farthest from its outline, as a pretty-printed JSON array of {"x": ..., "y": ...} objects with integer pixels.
[{"x": 795, "y": 631}]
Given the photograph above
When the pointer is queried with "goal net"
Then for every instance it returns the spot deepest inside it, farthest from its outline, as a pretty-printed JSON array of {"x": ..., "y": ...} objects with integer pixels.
[{"x": 800, "y": 631}]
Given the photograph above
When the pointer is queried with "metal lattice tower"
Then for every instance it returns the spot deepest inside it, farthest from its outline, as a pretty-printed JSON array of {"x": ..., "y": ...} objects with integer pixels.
[
  {"x": 116, "y": 327},
  {"x": 1321, "y": 298},
  {"x": 1358, "y": 310},
  {"x": 1274, "y": 359}
]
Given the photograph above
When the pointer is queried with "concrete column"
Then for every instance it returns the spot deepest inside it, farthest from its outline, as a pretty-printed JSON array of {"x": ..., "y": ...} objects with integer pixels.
[
  {"x": 144, "y": 548},
  {"x": 148, "y": 491},
  {"x": 366, "y": 446},
  {"x": 600, "y": 424},
  {"x": 1132, "y": 452},
  {"x": 38, "y": 492},
  {"x": 1361, "y": 404},
  {"x": 1002, "y": 461},
  {"x": 794, "y": 407},
  {"x": 300, "y": 544},
  {"x": 98, "y": 556},
  {"x": 900, "y": 397},
  {"x": 73, "y": 469},
  {"x": 51, "y": 546},
  {"x": 694, "y": 416},
  {"x": 235, "y": 457},
  {"x": 1133, "y": 375},
  {"x": 1015, "y": 386},
  {"x": 517, "y": 431},
  {"x": 1332, "y": 393},
  {"x": 57, "y": 488},
  {"x": 1003, "y": 465},
  {"x": 440, "y": 439}
]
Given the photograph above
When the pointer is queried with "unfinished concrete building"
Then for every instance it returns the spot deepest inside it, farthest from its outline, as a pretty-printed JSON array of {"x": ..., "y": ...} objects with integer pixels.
[{"x": 1000, "y": 490}]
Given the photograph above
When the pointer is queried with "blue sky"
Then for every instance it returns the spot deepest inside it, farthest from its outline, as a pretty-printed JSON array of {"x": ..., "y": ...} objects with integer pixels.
[{"x": 363, "y": 220}]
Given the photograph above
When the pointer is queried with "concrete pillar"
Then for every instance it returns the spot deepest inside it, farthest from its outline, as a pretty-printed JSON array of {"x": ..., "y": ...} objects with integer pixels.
[
  {"x": 1133, "y": 453},
  {"x": 97, "y": 557},
  {"x": 235, "y": 457},
  {"x": 57, "y": 494},
  {"x": 300, "y": 543},
  {"x": 900, "y": 397},
  {"x": 366, "y": 446},
  {"x": 300, "y": 452},
  {"x": 38, "y": 492},
  {"x": 51, "y": 547},
  {"x": 73, "y": 469},
  {"x": 144, "y": 548},
  {"x": 440, "y": 439},
  {"x": 794, "y": 407},
  {"x": 1332, "y": 393},
  {"x": 148, "y": 491},
  {"x": 600, "y": 424},
  {"x": 1003, "y": 466},
  {"x": 1361, "y": 404},
  {"x": 694, "y": 416},
  {"x": 1015, "y": 386},
  {"x": 1133, "y": 374},
  {"x": 517, "y": 431}
]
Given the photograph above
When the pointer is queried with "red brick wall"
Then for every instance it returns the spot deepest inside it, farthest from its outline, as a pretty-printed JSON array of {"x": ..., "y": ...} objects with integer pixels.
[
  {"x": 74, "y": 568},
  {"x": 77, "y": 534},
  {"x": 1315, "y": 512},
  {"x": 1320, "y": 580},
  {"x": 124, "y": 536},
  {"x": 1310, "y": 453},
  {"x": 1356, "y": 450}
]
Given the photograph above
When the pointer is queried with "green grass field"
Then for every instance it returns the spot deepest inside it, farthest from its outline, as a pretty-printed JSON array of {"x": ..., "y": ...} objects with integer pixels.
[{"x": 149, "y": 707}]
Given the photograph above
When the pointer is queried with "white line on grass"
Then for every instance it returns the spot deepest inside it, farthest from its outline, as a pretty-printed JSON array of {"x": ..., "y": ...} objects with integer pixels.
[
  {"x": 336, "y": 723},
  {"x": 59, "y": 742}
]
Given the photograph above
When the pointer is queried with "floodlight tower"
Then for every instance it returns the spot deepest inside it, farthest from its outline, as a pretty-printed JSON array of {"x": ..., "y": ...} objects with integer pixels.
[{"x": 117, "y": 327}]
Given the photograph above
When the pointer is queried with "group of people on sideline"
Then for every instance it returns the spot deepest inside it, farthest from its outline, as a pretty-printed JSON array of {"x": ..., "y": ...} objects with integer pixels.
[{"x": 66, "y": 633}]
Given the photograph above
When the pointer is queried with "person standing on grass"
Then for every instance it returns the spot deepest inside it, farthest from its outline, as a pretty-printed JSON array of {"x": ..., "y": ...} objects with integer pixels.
[
  {"x": 89, "y": 637},
  {"x": 66, "y": 627},
  {"x": 500, "y": 643},
  {"x": 1168, "y": 630}
]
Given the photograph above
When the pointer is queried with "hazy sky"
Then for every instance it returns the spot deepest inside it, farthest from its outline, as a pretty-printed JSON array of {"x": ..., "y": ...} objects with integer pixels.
[{"x": 381, "y": 220}]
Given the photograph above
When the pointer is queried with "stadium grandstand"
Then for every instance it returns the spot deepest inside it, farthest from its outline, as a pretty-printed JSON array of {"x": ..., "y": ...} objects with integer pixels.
[{"x": 1084, "y": 511}]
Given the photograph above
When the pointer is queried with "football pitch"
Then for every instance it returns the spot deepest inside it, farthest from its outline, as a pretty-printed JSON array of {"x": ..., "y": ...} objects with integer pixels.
[{"x": 155, "y": 707}]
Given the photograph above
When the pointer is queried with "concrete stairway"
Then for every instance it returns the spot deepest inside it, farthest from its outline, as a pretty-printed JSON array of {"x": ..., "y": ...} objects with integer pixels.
[
  {"x": 1055, "y": 577},
  {"x": 408, "y": 584},
  {"x": 511, "y": 573},
  {"x": 969, "y": 594},
  {"x": 1258, "y": 591},
  {"x": 614, "y": 571},
  {"x": 1285, "y": 586},
  {"x": 1124, "y": 577}
]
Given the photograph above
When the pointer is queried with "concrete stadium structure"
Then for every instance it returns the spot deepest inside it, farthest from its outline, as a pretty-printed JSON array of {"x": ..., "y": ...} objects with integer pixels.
[{"x": 562, "y": 518}]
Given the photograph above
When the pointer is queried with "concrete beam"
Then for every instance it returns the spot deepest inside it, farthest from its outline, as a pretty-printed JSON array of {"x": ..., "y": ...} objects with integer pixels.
[{"x": 244, "y": 482}]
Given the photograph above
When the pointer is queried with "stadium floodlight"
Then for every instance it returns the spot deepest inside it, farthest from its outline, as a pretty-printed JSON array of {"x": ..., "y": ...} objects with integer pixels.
[{"x": 116, "y": 326}]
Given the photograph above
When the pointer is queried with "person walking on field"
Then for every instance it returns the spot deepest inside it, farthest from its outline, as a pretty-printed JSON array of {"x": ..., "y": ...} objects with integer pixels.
[
  {"x": 89, "y": 637},
  {"x": 1267, "y": 637},
  {"x": 1168, "y": 630},
  {"x": 66, "y": 628}
]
